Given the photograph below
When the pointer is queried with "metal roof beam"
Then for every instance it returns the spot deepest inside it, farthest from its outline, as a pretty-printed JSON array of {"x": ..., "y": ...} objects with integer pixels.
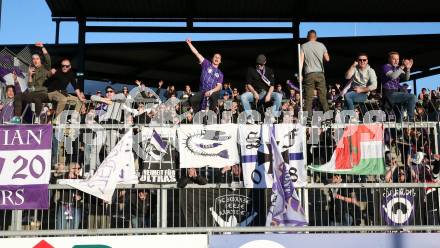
[{"x": 240, "y": 30}]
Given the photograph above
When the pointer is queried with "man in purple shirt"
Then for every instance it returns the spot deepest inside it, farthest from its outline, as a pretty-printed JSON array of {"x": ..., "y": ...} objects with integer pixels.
[
  {"x": 211, "y": 80},
  {"x": 391, "y": 75}
]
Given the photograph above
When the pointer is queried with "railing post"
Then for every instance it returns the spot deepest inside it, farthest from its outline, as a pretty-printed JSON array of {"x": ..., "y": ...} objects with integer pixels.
[
  {"x": 16, "y": 220},
  {"x": 163, "y": 207}
]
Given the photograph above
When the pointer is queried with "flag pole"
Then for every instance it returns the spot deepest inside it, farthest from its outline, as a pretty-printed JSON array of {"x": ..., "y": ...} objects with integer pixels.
[
  {"x": 300, "y": 79},
  {"x": 305, "y": 191}
]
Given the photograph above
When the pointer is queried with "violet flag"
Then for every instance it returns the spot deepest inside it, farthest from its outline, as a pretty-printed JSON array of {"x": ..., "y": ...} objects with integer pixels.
[{"x": 286, "y": 209}]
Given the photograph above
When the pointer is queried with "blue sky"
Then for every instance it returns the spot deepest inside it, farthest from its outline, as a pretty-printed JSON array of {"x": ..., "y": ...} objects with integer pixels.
[{"x": 26, "y": 21}]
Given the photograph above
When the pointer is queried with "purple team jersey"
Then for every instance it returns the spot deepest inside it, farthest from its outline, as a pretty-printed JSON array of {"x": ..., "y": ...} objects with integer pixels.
[
  {"x": 209, "y": 78},
  {"x": 388, "y": 83}
]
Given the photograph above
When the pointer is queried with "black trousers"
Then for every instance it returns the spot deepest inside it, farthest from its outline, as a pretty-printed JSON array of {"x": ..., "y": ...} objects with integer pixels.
[
  {"x": 196, "y": 100},
  {"x": 37, "y": 97}
]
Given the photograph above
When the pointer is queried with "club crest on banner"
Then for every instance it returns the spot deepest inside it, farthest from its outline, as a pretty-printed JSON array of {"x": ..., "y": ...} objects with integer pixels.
[
  {"x": 212, "y": 145},
  {"x": 233, "y": 210},
  {"x": 398, "y": 206}
]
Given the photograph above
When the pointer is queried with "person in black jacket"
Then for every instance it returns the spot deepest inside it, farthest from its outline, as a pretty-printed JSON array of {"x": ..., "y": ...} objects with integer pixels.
[
  {"x": 260, "y": 82},
  {"x": 57, "y": 87}
]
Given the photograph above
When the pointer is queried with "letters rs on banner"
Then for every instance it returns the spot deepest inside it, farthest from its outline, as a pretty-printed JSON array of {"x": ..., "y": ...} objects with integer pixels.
[{"x": 25, "y": 159}]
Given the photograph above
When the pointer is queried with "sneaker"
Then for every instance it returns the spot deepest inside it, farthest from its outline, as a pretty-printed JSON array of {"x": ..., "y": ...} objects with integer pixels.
[
  {"x": 15, "y": 120},
  {"x": 37, "y": 120},
  {"x": 199, "y": 180},
  {"x": 182, "y": 182}
]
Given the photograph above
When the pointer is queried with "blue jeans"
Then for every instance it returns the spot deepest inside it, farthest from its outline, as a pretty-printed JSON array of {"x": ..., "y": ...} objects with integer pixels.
[
  {"x": 247, "y": 98},
  {"x": 346, "y": 220},
  {"x": 140, "y": 221},
  {"x": 352, "y": 97},
  {"x": 406, "y": 99},
  {"x": 68, "y": 217}
]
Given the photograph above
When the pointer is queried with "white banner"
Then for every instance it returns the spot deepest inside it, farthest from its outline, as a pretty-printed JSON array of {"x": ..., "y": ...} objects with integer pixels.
[
  {"x": 159, "y": 155},
  {"x": 255, "y": 156},
  {"x": 152, "y": 137},
  {"x": 118, "y": 167},
  {"x": 208, "y": 145},
  {"x": 256, "y": 153}
]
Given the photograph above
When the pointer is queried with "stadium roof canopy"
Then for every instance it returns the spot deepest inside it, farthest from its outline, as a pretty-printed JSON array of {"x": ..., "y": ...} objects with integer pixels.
[
  {"x": 252, "y": 10},
  {"x": 174, "y": 62}
]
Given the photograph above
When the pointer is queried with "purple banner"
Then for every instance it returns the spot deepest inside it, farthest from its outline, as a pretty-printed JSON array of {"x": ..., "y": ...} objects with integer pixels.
[
  {"x": 34, "y": 196},
  {"x": 25, "y": 137}
]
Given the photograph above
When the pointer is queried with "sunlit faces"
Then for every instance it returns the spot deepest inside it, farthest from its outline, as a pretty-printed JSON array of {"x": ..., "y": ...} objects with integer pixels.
[
  {"x": 65, "y": 65},
  {"x": 362, "y": 61},
  {"x": 10, "y": 93},
  {"x": 36, "y": 60},
  {"x": 216, "y": 59},
  {"x": 394, "y": 59}
]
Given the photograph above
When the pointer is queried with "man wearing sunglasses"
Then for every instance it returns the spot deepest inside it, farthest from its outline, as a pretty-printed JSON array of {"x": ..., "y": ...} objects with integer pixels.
[
  {"x": 57, "y": 87},
  {"x": 363, "y": 79}
]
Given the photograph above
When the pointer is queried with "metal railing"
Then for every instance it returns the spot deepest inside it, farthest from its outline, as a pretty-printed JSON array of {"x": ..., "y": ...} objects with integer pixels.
[
  {"x": 356, "y": 203},
  {"x": 202, "y": 209}
]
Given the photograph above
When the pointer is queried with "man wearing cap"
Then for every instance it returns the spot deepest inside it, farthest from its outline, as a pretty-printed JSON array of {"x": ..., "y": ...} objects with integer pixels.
[
  {"x": 260, "y": 82},
  {"x": 211, "y": 80},
  {"x": 312, "y": 55}
]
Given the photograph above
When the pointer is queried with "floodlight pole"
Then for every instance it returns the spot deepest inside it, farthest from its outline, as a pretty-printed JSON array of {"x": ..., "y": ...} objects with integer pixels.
[
  {"x": 81, "y": 51},
  {"x": 296, "y": 44}
]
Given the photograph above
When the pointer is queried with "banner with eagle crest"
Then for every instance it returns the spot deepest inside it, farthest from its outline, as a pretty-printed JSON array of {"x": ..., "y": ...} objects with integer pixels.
[{"x": 208, "y": 145}]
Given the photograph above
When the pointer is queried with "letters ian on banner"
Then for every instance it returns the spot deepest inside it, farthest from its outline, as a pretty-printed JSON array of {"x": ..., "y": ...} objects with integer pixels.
[{"x": 25, "y": 158}]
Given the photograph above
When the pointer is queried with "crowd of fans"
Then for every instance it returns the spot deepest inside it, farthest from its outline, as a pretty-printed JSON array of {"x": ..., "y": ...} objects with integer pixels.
[{"x": 165, "y": 104}]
